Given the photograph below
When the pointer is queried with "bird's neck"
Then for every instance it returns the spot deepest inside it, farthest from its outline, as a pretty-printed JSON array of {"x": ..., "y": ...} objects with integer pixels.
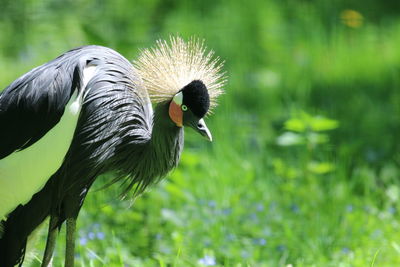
[
  {"x": 162, "y": 121},
  {"x": 166, "y": 139}
]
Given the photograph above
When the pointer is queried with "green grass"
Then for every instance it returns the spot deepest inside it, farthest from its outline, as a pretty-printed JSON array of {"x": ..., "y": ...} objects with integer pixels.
[
  {"x": 244, "y": 216},
  {"x": 327, "y": 196}
]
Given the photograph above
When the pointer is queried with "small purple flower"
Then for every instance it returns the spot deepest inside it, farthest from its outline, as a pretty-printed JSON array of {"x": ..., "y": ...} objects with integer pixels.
[
  {"x": 245, "y": 254},
  {"x": 230, "y": 237},
  {"x": 281, "y": 248},
  {"x": 226, "y": 211},
  {"x": 260, "y": 207},
  {"x": 349, "y": 208},
  {"x": 295, "y": 208},
  {"x": 253, "y": 217},
  {"x": 376, "y": 234},
  {"x": 207, "y": 260},
  {"x": 259, "y": 241},
  {"x": 83, "y": 241},
  {"x": 212, "y": 204},
  {"x": 392, "y": 210},
  {"x": 207, "y": 243},
  {"x": 91, "y": 235},
  {"x": 100, "y": 235},
  {"x": 159, "y": 236},
  {"x": 346, "y": 250},
  {"x": 267, "y": 231}
]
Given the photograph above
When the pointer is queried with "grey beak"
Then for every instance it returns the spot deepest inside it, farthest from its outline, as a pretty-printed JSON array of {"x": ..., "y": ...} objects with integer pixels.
[{"x": 202, "y": 129}]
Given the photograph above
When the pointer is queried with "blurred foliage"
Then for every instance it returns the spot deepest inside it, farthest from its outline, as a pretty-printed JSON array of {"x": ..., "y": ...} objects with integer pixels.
[{"x": 304, "y": 169}]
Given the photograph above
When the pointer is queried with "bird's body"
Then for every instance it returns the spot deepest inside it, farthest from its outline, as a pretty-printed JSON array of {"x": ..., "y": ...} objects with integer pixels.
[{"x": 86, "y": 113}]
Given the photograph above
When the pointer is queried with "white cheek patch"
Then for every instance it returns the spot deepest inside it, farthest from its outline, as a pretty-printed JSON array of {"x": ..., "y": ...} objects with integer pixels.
[{"x": 178, "y": 98}]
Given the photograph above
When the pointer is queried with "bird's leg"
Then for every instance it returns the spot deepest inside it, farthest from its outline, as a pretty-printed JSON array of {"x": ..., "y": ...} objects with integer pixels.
[
  {"x": 70, "y": 246},
  {"x": 51, "y": 241}
]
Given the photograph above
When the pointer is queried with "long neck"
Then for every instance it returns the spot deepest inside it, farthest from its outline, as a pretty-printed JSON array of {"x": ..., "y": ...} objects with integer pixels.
[
  {"x": 167, "y": 139},
  {"x": 146, "y": 163},
  {"x": 161, "y": 153}
]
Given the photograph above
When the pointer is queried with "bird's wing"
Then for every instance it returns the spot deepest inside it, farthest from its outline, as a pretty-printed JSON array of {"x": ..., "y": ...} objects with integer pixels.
[
  {"x": 34, "y": 103},
  {"x": 36, "y": 129}
]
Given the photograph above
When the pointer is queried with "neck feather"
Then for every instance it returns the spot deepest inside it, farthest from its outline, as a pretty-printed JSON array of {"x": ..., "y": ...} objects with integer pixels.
[
  {"x": 166, "y": 139},
  {"x": 160, "y": 154}
]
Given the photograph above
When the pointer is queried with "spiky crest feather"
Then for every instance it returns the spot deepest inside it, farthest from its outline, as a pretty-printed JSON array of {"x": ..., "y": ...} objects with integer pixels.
[{"x": 167, "y": 67}]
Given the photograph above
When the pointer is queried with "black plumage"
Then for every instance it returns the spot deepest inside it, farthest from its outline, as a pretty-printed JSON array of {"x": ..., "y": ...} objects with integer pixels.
[
  {"x": 117, "y": 131},
  {"x": 196, "y": 97}
]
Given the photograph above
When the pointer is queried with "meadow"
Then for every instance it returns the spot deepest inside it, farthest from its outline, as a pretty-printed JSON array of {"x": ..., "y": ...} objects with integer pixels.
[{"x": 304, "y": 169}]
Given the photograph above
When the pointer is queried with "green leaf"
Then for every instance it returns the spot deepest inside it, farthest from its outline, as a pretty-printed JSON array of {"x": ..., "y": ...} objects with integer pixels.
[
  {"x": 323, "y": 124},
  {"x": 320, "y": 167},
  {"x": 316, "y": 138},
  {"x": 296, "y": 125}
]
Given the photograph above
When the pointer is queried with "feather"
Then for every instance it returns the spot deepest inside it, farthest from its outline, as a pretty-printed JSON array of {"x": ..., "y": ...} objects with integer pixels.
[{"x": 168, "y": 67}]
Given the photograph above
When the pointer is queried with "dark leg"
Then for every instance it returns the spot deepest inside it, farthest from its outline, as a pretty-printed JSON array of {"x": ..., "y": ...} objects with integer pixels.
[
  {"x": 70, "y": 246},
  {"x": 51, "y": 241}
]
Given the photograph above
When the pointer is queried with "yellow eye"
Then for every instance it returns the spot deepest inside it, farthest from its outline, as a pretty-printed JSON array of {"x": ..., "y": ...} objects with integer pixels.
[{"x": 184, "y": 107}]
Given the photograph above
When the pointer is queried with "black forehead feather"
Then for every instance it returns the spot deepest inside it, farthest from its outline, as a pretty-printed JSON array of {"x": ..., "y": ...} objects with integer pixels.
[{"x": 196, "y": 98}]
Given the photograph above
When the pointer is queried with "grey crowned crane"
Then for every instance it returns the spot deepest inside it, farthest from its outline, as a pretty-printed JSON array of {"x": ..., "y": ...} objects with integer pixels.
[{"x": 90, "y": 112}]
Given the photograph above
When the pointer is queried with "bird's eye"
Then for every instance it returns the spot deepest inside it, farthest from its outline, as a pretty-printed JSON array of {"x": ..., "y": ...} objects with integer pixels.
[{"x": 184, "y": 107}]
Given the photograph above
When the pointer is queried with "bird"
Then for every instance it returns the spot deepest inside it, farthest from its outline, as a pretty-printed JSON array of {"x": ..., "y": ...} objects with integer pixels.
[{"x": 91, "y": 112}]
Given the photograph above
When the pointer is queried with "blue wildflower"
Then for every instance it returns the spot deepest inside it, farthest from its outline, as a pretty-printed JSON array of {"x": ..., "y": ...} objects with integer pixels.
[
  {"x": 91, "y": 235},
  {"x": 245, "y": 254},
  {"x": 212, "y": 204},
  {"x": 392, "y": 210},
  {"x": 260, "y": 241},
  {"x": 260, "y": 207},
  {"x": 376, "y": 234},
  {"x": 207, "y": 243},
  {"x": 230, "y": 237},
  {"x": 207, "y": 260},
  {"x": 83, "y": 241},
  {"x": 159, "y": 236},
  {"x": 226, "y": 211},
  {"x": 346, "y": 250},
  {"x": 100, "y": 235},
  {"x": 349, "y": 208},
  {"x": 295, "y": 208},
  {"x": 281, "y": 248},
  {"x": 253, "y": 217}
]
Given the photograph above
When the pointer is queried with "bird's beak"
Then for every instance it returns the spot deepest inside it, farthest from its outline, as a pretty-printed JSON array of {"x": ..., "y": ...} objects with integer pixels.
[{"x": 202, "y": 129}]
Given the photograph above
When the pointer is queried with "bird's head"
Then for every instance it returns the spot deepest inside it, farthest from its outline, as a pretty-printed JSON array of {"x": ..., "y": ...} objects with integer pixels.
[
  {"x": 183, "y": 75},
  {"x": 189, "y": 106}
]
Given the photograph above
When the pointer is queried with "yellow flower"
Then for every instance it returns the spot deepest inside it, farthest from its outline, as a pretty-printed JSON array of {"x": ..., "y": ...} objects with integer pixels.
[{"x": 351, "y": 18}]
